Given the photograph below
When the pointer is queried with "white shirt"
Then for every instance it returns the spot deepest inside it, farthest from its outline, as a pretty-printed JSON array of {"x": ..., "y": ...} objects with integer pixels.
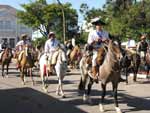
[
  {"x": 51, "y": 45},
  {"x": 131, "y": 44},
  {"x": 94, "y": 35},
  {"x": 21, "y": 43}
]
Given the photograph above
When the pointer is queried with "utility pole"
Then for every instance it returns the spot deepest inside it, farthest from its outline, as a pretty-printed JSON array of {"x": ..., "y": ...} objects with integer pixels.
[{"x": 63, "y": 16}]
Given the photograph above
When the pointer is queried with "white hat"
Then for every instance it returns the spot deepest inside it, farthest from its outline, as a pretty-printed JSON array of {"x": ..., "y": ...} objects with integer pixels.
[
  {"x": 50, "y": 33},
  {"x": 97, "y": 20}
]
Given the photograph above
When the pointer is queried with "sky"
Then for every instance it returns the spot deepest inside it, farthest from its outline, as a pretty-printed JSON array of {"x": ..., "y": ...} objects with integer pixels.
[{"x": 75, "y": 3}]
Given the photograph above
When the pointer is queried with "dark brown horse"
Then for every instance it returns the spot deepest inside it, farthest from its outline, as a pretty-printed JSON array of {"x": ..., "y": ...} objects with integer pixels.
[
  {"x": 109, "y": 71},
  {"x": 130, "y": 63},
  {"x": 26, "y": 64},
  {"x": 6, "y": 59}
]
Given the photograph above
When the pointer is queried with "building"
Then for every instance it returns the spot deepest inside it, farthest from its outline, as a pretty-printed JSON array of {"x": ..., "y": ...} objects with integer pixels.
[{"x": 10, "y": 29}]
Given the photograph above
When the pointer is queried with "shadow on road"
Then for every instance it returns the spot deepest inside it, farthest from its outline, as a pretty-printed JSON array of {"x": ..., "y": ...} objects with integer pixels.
[{"x": 28, "y": 100}]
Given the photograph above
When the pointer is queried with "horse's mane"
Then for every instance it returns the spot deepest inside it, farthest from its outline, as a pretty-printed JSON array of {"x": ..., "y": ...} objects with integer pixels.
[{"x": 110, "y": 58}]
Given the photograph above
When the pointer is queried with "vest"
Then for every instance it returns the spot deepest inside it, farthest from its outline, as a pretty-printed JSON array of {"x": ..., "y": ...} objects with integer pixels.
[{"x": 143, "y": 46}]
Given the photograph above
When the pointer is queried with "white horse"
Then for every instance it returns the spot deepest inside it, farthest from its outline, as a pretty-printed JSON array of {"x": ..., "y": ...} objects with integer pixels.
[{"x": 60, "y": 68}]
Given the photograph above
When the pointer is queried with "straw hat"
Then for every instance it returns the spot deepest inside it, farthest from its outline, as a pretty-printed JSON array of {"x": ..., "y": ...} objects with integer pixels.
[
  {"x": 50, "y": 34},
  {"x": 24, "y": 36},
  {"x": 143, "y": 37}
]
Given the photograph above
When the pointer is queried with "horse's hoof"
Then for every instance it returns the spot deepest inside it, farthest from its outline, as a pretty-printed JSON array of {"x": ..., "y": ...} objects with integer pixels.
[
  {"x": 101, "y": 108},
  {"x": 84, "y": 97},
  {"x": 63, "y": 96},
  {"x": 23, "y": 83},
  {"x": 57, "y": 93},
  {"x": 118, "y": 110},
  {"x": 45, "y": 89},
  {"x": 90, "y": 101}
]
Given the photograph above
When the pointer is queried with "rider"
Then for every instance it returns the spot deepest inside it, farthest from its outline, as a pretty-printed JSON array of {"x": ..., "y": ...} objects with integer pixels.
[
  {"x": 142, "y": 46},
  {"x": 97, "y": 38},
  {"x": 51, "y": 46},
  {"x": 19, "y": 47},
  {"x": 131, "y": 46}
]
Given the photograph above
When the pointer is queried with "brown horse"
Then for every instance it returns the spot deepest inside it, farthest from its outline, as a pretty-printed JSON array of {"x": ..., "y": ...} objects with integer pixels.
[
  {"x": 26, "y": 64},
  {"x": 109, "y": 71},
  {"x": 75, "y": 56},
  {"x": 147, "y": 62},
  {"x": 6, "y": 59}
]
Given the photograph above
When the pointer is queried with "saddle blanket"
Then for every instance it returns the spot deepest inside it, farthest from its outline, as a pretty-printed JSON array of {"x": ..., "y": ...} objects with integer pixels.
[{"x": 1, "y": 55}]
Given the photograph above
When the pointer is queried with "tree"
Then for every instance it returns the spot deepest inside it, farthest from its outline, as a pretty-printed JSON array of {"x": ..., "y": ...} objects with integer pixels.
[{"x": 48, "y": 17}]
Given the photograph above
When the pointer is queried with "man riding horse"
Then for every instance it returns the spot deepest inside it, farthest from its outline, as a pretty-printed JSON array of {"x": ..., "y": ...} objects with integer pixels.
[
  {"x": 20, "y": 47},
  {"x": 96, "y": 39},
  {"x": 51, "y": 47},
  {"x": 142, "y": 47}
]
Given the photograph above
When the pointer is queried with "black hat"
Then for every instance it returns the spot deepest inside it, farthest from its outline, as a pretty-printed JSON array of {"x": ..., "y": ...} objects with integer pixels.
[{"x": 98, "y": 21}]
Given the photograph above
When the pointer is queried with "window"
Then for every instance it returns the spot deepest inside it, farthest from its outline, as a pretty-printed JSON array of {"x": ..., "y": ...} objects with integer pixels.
[
  {"x": 7, "y": 25},
  {"x": 1, "y": 24},
  {"x": 12, "y": 42}
]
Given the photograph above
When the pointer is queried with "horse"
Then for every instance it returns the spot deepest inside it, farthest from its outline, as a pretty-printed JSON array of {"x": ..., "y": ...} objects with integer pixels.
[
  {"x": 60, "y": 68},
  {"x": 130, "y": 63},
  {"x": 109, "y": 71},
  {"x": 6, "y": 57},
  {"x": 147, "y": 62},
  {"x": 75, "y": 56},
  {"x": 26, "y": 64}
]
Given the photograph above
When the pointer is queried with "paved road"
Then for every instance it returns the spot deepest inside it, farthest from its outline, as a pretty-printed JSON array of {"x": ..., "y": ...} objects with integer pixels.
[{"x": 16, "y": 98}]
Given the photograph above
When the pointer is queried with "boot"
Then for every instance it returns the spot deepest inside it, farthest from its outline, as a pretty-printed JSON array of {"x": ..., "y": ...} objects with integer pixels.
[{"x": 94, "y": 74}]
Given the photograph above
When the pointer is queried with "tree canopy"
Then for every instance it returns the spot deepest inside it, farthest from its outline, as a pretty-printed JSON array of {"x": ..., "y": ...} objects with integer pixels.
[
  {"x": 124, "y": 17},
  {"x": 48, "y": 17}
]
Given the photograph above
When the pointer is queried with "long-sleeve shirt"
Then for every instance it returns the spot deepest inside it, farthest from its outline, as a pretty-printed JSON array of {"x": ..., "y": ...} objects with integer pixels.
[
  {"x": 97, "y": 35},
  {"x": 51, "y": 45}
]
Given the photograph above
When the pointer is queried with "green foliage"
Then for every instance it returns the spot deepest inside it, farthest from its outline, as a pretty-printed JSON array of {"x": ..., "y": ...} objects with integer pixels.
[
  {"x": 48, "y": 17},
  {"x": 124, "y": 17},
  {"x": 39, "y": 41}
]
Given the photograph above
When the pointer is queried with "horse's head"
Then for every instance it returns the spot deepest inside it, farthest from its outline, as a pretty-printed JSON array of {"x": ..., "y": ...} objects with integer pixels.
[
  {"x": 114, "y": 48},
  {"x": 62, "y": 57},
  {"x": 8, "y": 52}
]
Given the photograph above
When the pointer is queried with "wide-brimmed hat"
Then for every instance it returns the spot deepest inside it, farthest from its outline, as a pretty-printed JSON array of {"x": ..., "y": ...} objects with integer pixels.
[
  {"x": 98, "y": 21},
  {"x": 24, "y": 36},
  {"x": 50, "y": 34},
  {"x": 143, "y": 37}
]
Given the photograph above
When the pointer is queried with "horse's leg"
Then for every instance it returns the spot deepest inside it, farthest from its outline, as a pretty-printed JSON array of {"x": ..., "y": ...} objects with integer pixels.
[
  {"x": 31, "y": 75},
  {"x": 115, "y": 86},
  {"x": 103, "y": 86},
  {"x": 43, "y": 82},
  {"x": 7, "y": 69},
  {"x": 87, "y": 97},
  {"x": 135, "y": 73},
  {"x": 22, "y": 75},
  {"x": 60, "y": 88},
  {"x": 2, "y": 70},
  {"x": 126, "y": 72}
]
